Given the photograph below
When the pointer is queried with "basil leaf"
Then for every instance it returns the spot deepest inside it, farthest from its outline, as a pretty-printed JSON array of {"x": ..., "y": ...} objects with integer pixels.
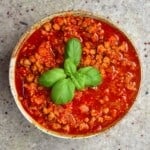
[
  {"x": 73, "y": 50},
  {"x": 62, "y": 91},
  {"x": 92, "y": 76},
  {"x": 69, "y": 67},
  {"x": 49, "y": 77},
  {"x": 78, "y": 80}
]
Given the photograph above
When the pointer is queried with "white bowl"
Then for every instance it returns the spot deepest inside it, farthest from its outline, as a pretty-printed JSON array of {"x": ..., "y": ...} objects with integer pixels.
[{"x": 13, "y": 64}]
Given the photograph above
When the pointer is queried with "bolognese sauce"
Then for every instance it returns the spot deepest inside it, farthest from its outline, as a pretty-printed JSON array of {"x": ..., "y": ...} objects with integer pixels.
[{"x": 92, "y": 109}]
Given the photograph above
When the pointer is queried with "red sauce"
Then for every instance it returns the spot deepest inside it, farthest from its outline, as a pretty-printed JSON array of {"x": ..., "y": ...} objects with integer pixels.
[{"x": 93, "y": 109}]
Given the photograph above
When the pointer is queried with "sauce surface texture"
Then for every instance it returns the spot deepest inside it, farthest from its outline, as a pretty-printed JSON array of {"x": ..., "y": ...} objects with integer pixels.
[{"x": 92, "y": 109}]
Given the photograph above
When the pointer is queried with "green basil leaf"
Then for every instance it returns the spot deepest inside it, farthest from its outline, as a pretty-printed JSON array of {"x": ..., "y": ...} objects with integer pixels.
[
  {"x": 69, "y": 67},
  {"x": 49, "y": 77},
  {"x": 73, "y": 50},
  {"x": 78, "y": 80},
  {"x": 92, "y": 76},
  {"x": 62, "y": 91}
]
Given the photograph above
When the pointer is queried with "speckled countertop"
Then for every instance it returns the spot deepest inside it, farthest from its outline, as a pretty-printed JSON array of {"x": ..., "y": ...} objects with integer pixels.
[{"x": 132, "y": 133}]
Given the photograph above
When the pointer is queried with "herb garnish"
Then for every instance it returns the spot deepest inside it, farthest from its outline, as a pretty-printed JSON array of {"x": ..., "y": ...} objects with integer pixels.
[{"x": 64, "y": 81}]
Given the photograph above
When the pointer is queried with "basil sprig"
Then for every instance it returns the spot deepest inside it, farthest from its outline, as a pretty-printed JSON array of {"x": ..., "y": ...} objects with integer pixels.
[
  {"x": 49, "y": 77},
  {"x": 63, "y": 91},
  {"x": 64, "y": 81},
  {"x": 92, "y": 76},
  {"x": 73, "y": 50},
  {"x": 69, "y": 67},
  {"x": 78, "y": 80}
]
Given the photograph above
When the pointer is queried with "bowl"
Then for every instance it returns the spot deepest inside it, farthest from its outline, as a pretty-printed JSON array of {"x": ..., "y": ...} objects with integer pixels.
[{"x": 96, "y": 109}]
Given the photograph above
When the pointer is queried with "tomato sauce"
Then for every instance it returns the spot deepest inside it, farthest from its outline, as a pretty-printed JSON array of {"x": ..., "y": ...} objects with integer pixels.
[{"x": 92, "y": 109}]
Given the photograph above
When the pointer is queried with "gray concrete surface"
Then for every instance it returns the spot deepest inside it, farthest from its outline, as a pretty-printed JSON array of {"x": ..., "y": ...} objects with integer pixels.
[{"x": 132, "y": 133}]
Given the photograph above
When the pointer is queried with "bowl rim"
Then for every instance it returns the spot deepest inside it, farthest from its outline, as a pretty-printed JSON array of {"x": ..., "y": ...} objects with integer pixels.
[{"x": 23, "y": 39}]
